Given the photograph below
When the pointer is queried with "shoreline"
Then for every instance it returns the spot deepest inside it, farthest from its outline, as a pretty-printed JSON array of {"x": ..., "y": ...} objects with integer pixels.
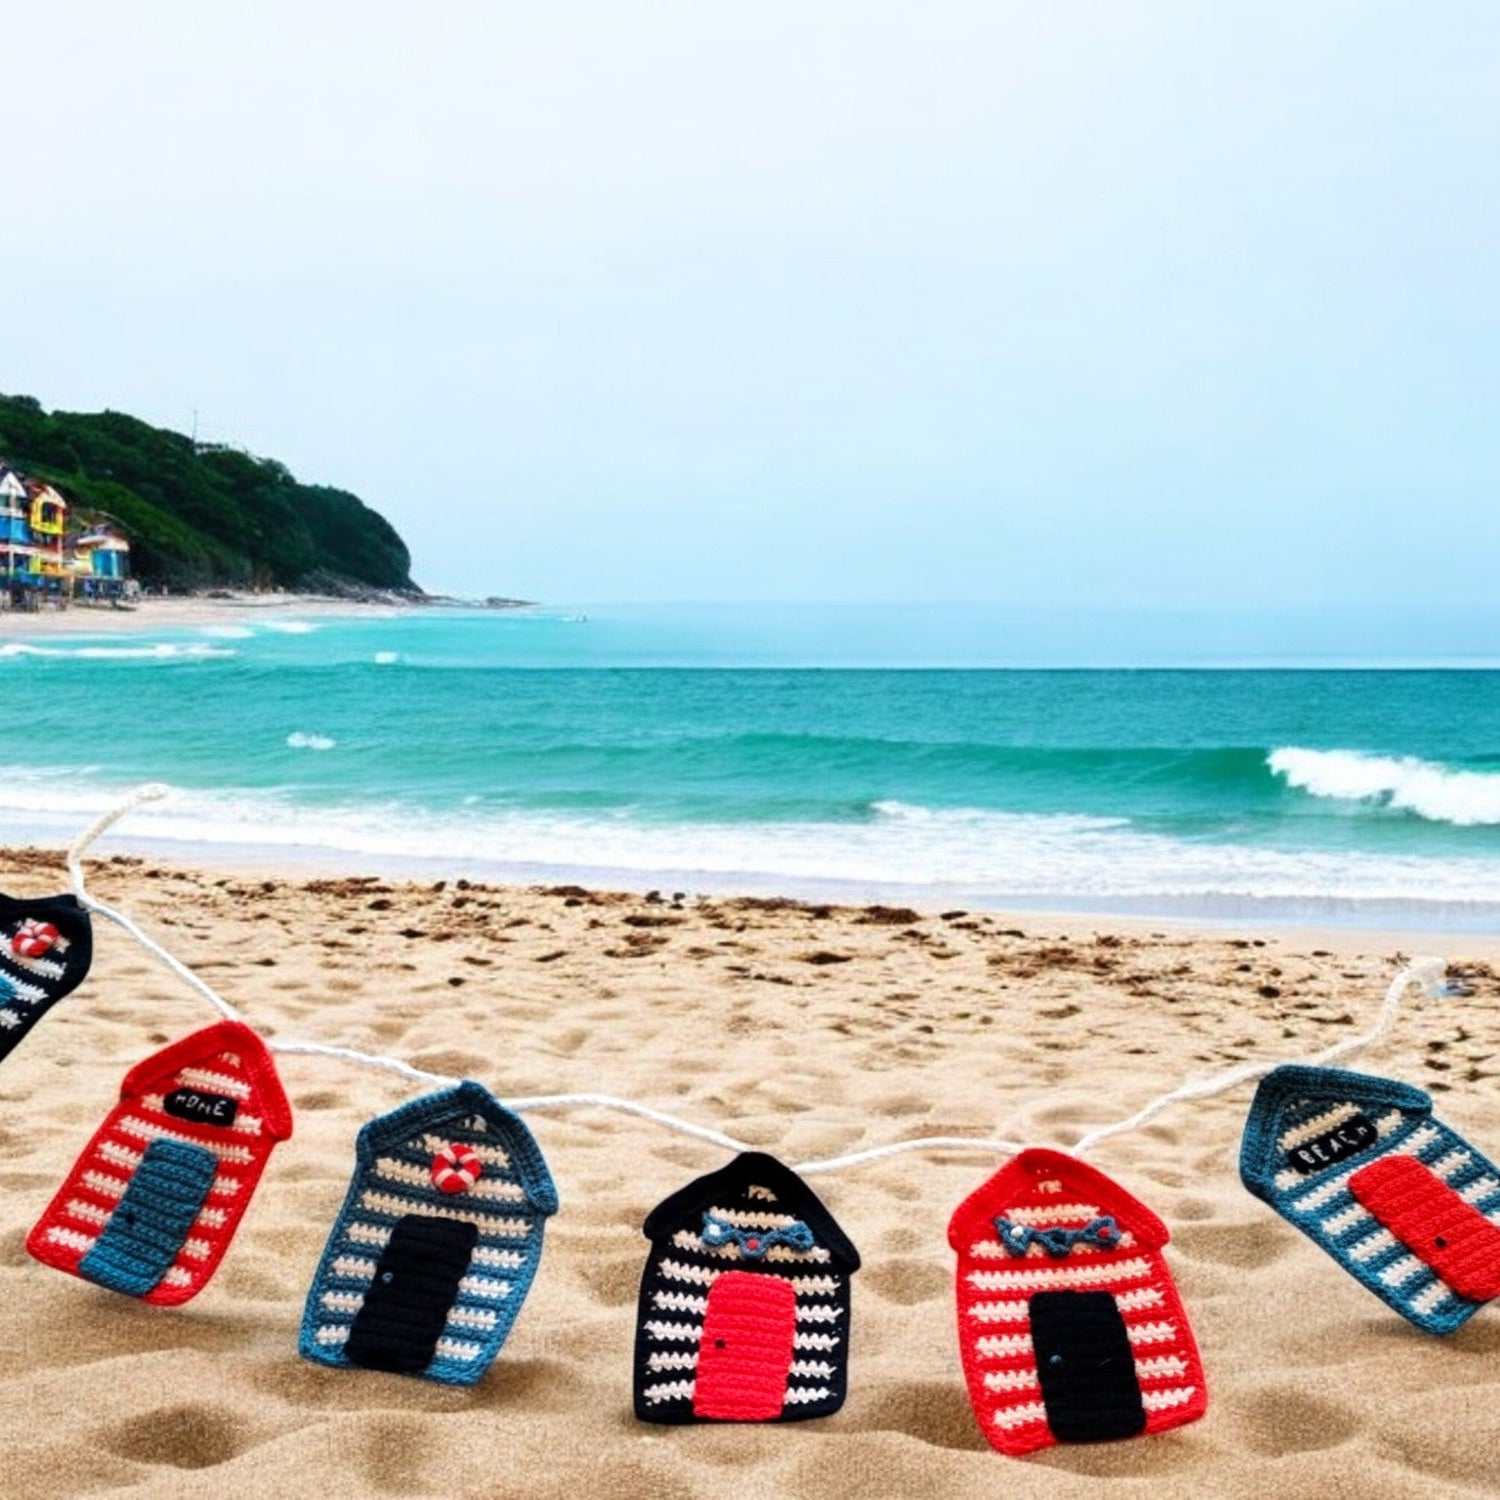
[{"x": 805, "y": 1031}]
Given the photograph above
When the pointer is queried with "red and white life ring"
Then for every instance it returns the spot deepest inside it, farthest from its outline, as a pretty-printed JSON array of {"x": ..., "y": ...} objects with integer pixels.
[
  {"x": 455, "y": 1169},
  {"x": 32, "y": 939}
]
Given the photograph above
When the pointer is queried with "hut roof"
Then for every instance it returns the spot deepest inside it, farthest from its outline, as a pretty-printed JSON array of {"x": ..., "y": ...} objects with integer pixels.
[
  {"x": 1295, "y": 1082},
  {"x": 203, "y": 1046},
  {"x": 1018, "y": 1180},
  {"x": 466, "y": 1099},
  {"x": 754, "y": 1168}
]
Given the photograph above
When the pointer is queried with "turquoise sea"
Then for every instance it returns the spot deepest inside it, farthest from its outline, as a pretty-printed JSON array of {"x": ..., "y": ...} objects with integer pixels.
[{"x": 818, "y": 753}]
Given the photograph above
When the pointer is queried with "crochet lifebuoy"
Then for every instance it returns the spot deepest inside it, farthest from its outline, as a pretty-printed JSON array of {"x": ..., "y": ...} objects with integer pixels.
[
  {"x": 455, "y": 1169},
  {"x": 32, "y": 939}
]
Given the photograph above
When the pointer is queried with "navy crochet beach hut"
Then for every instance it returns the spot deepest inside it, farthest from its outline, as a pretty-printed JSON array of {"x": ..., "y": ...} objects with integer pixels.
[
  {"x": 437, "y": 1242},
  {"x": 1363, "y": 1168},
  {"x": 744, "y": 1306}
]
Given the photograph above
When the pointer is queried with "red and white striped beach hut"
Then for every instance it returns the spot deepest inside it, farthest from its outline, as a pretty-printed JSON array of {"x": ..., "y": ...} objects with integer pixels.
[
  {"x": 1070, "y": 1326},
  {"x": 152, "y": 1204}
]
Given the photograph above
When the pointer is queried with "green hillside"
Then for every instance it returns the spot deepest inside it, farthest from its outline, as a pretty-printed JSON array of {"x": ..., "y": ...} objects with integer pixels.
[{"x": 200, "y": 514}]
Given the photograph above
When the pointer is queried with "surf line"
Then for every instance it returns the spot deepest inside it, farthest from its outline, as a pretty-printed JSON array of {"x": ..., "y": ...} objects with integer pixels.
[{"x": 1428, "y": 974}]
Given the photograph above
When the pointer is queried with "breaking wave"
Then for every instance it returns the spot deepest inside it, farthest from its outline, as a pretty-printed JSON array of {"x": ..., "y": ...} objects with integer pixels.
[{"x": 1438, "y": 793}]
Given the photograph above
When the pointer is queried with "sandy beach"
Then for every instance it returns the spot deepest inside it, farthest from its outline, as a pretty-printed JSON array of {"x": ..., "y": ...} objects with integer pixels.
[
  {"x": 806, "y": 1031},
  {"x": 184, "y": 612}
]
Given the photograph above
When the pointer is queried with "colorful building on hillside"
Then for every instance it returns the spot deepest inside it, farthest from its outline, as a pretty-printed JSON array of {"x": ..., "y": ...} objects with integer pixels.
[{"x": 47, "y": 552}]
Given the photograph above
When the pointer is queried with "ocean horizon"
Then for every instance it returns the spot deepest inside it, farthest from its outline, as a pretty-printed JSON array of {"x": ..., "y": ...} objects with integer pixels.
[{"x": 893, "y": 752}]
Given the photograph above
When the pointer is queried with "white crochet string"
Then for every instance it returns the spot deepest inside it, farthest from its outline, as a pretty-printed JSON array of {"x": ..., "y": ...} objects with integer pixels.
[{"x": 1426, "y": 972}]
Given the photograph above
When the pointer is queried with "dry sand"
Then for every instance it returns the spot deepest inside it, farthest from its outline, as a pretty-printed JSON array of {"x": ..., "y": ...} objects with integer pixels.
[
  {"x": 187, "y": 612},
  {"x": 805, "y": 1030}
]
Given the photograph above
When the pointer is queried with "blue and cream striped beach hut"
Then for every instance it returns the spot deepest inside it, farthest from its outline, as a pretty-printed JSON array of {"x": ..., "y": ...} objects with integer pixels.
[
  {"x": 1402, "y": 1202},
  {"x": 437, "y": 1242}
]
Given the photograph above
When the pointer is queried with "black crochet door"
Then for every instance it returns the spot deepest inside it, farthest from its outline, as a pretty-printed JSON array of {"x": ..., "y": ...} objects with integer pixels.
[
  {"x": 1086, "y": 1367},
  {"x": 414, "y": 1287}
]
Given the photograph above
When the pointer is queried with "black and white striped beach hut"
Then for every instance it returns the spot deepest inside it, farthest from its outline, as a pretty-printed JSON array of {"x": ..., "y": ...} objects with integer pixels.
[{"x": 744, "y": 1307}]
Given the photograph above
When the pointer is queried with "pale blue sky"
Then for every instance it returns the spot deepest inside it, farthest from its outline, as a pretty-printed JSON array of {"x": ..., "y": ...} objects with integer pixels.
[{"x": 1183, "y": 303}]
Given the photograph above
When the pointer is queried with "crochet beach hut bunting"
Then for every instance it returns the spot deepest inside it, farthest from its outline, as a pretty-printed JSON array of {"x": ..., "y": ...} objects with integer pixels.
[
  {"x": 437, "y": 1243},
  {"x": 744, "y": 1307},
  {"x": 1070, "y": 1326},
  {"x": 1403, "y": 1203},
  {"x": 45, "y": 949},
  {"x": 150, "y": 1207}
]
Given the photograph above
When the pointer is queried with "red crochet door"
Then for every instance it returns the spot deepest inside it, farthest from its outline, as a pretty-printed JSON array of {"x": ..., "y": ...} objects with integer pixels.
[{"x": 745, "y": 1354}]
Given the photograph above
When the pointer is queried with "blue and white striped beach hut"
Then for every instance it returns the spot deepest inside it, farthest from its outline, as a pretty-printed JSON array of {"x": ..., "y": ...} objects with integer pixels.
[
  {"x": 1401, "y": 1201},
  {"x": 437, "y": 1242}
]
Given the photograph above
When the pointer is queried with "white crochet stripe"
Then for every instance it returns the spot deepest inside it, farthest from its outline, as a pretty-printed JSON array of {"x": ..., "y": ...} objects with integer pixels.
[
  {"x": 1160, "y": 1367},
  {"x": 671, "y": 1390},
  {"x": 211, "y": 1218},
  {"x": 753, "y": 1218},
  {"x": 1422, "y": 1137},
  {"x": 676, "y": 1270},
  {"x": 103, "y": 1184},
  {"x": 803, "y": 1395},
  {"x": 1019, "y": 1311},
  {"x": 144, "y": 1130},
  {"x": 491, "y": 1156},
  {"x": 495, "y": 1189},
  {"x": 763, "y": 1194},
  {"x": 679, "y": 1302},
  {"x": 1166, "y": 1400},
  {"x": 1011, "y": 1380},
  {"x": 673, "y": 1332},
  {"x": 1057, "y": 1213},
  {"x": 672, "y": 1359},
  {"x": 367, "y": 1234},
  {"x": 811, "y": 1369},
  {"x": 343, "y": 1302},
  {"x": 776, "y": 1254},
  {"x": 1430, "y": 1300},
  {"x": 1318, "y": 1125},
  {"x": 123, "y": 1156},
  {"x": 86, "y": 1212},
  {"x": 353, "y": 1267},
  {"x": 484, "y": 1287},
  {"x": 1002, "y": 1345},
  {"x": 814, "y": 1286},
  {"x": 332, "y": 1333},
  {"x": 816, "y": 1312},
  {"x": 1371, "y": 1246},
  {"x": 388, "y": 1203},
  {"x": 1090, "y": 1274},
  {"x": 1445, "y": 1167},
  {"x": 28, "y": 994},
  {"x": 504, "y": 1260},
  {"x": 1019, "y": 1416},
  {"x": 72, "y": 1239},
  {"x": 459, "y": 1349},
  {"x": 1401, "y": 1270},
  {"x": 176, "y": 1276},
  {"x": 244, "y": 1124},
  {"x": 823, "y": 1342},
  {"x": 1287, "y": 1179},
  {"x": 9, "y": 1019},
  {"x": 215, "y": 1083},
  {"x": 195, "y": 1249},
  {"x": 1481, "y": 1187},
  {"x": 1348, "y": 1218},
  {"x": 1150, "y": 1333},
  {"x": 45, "y": 968},
  {"x": 472, "y": 1318}
]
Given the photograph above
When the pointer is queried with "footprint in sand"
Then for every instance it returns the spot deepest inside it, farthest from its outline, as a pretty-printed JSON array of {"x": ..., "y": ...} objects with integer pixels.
[
  {"x": 1286, "y": 1419},
  {"x": 186, "y": 1436}
]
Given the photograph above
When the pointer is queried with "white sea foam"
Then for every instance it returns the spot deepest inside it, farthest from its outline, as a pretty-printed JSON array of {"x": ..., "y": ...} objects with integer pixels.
[
  {"x": 1403, "y": 784},
  {"x": 989, "y": 857},
  {"x": 300, "y": 740},
  {"x": 228, "y": 632},
  {"x": 290, "y": 627},
  {"x": 162, "y": 651},
  {"x": 386, "y": 658}
]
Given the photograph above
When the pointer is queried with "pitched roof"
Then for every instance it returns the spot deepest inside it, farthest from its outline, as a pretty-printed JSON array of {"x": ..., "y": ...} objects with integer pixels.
[
  {"x": 754, "y": 1168},
  {"x": 1018, "y": 1180},
  {"x": 203, "y": 1046},
  {"x": 434, "y": 1111}
]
